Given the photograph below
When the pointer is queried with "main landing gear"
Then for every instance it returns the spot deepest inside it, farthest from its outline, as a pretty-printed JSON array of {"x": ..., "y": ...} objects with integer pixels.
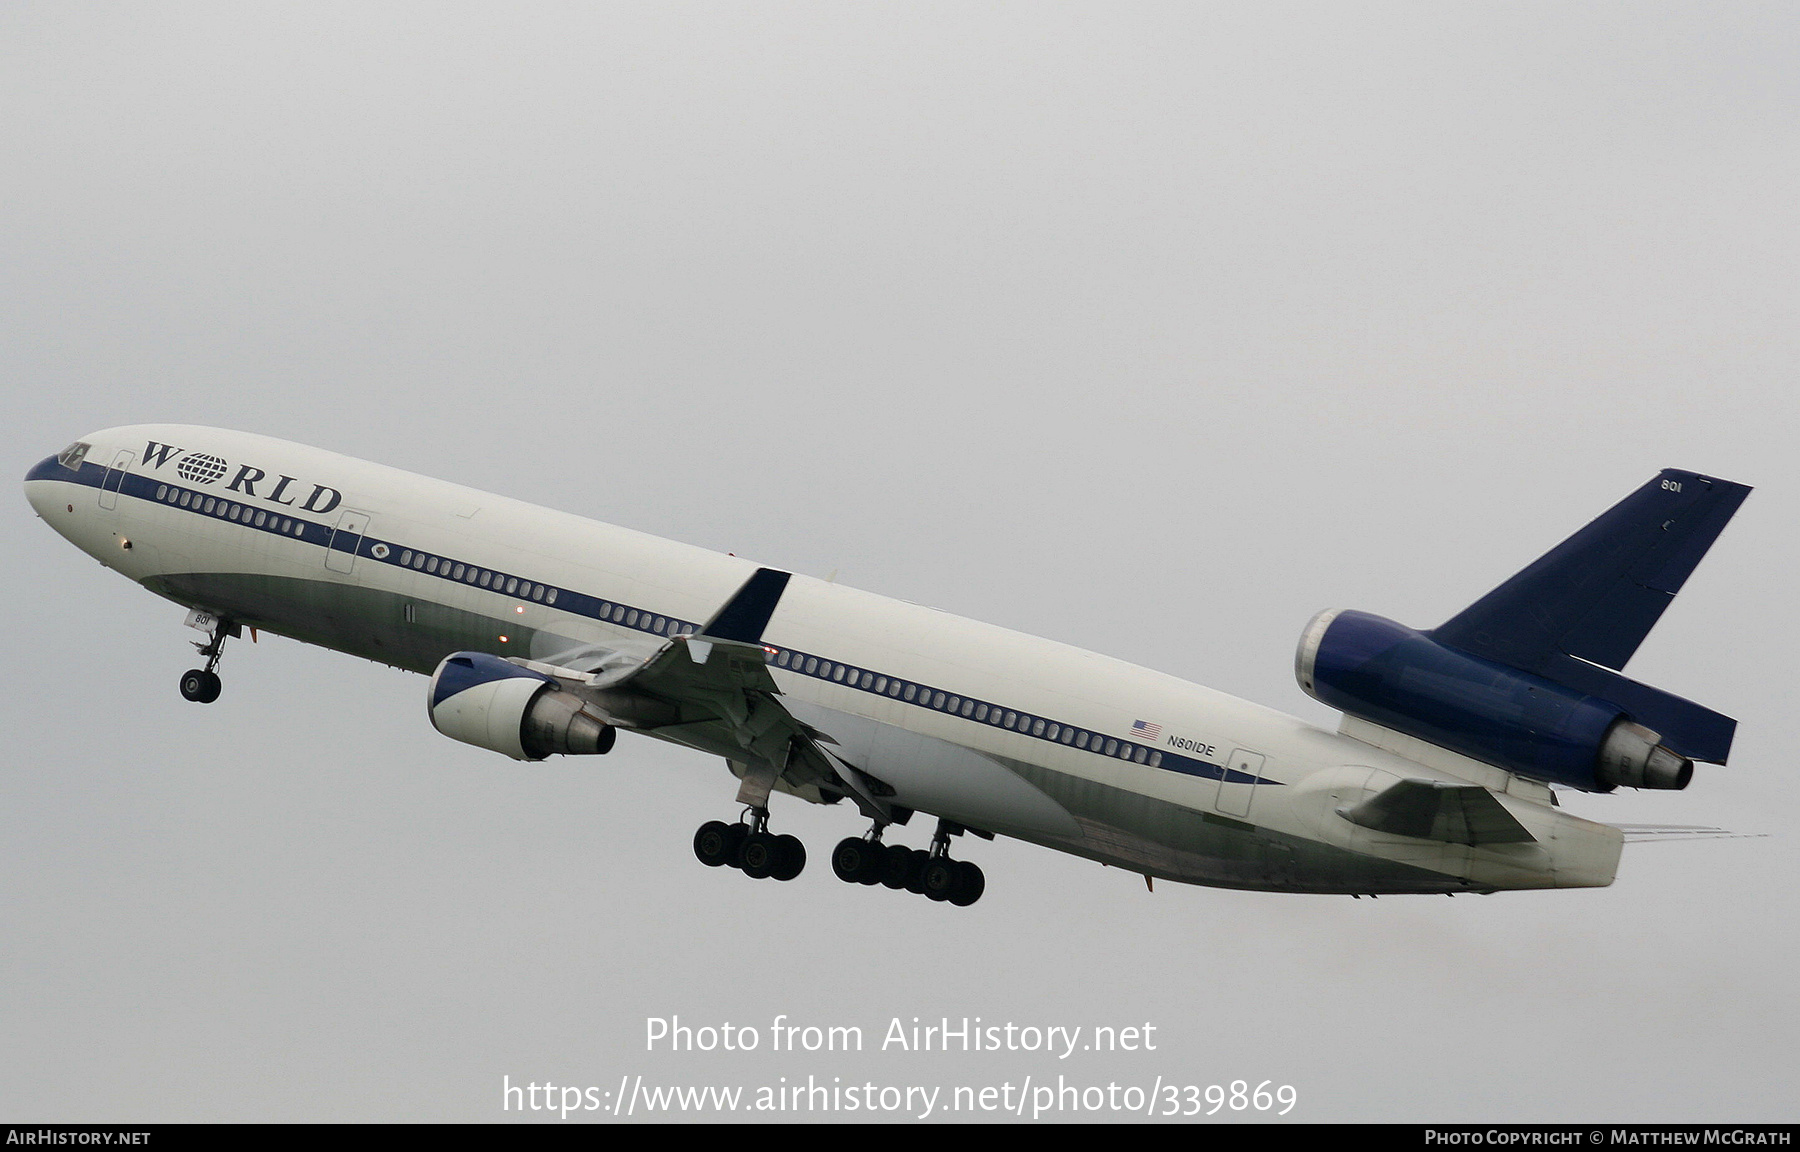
[
  {"x": 866, "y": 860},
  {"x": 201, "y": 685},
  {"x": 750, "y": 847}
]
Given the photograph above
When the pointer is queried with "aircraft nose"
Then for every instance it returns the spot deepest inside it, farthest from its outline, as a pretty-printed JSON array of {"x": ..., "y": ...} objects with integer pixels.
[{"x": 40, "y": 495}]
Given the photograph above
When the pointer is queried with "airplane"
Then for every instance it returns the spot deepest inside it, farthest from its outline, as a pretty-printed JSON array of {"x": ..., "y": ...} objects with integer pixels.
[{"x": 545, "y": 633}]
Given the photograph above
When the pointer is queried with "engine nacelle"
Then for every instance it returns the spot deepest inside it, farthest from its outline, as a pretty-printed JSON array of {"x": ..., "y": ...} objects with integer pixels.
[
  {"x": 491, "y": 703},
  {"x": 1404, "y": 679}
]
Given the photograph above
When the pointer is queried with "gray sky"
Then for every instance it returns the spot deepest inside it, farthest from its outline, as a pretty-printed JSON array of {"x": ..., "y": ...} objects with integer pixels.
[{"x": 1149, "y": 328}]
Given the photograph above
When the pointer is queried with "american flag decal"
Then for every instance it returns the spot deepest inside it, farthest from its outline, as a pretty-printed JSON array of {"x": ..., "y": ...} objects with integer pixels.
[{"x": 1145, "y": 729}]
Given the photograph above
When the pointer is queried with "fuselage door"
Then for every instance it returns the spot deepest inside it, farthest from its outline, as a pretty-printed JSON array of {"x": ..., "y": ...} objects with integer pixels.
[
  {"x": 115, "y": 476},
  {"x": 346, "y": 538},
  {"x": 1235, "y": 790}
]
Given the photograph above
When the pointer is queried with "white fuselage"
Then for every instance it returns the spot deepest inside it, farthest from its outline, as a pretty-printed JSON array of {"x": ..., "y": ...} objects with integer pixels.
[{"x": 990, "y": 728}]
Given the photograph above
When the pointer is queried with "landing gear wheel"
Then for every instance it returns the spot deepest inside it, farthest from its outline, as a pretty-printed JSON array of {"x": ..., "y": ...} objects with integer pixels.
[
  {"x": 939, "y": 878},
  {"x": 790, "y": 857},
  {"x": 714, "y": 844},
  {"x": 969, "y": 886},
  {"x": 200, "y": 686},
  {"x": 896, "y": 865},
  {"x": 917, "y": 859},
  {"x": 760, "y": 855},
  {"x": 852, "y": 857}
]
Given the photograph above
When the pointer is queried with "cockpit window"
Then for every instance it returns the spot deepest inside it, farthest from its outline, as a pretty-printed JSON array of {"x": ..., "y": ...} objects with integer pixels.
[{"x": 73, "y": 455}]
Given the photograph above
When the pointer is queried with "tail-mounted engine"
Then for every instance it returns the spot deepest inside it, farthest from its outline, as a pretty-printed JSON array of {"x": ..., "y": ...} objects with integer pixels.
[
  {"x": 1409, "y": 681},
  {"x": 490, "y": 703}
]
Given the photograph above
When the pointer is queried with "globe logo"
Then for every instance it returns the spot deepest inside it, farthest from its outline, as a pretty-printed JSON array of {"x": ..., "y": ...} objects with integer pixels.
[{"x": 200, "y": 468}]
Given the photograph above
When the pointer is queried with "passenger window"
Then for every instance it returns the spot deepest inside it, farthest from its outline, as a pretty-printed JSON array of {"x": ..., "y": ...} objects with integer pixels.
[
  {"x": 210, "y": 501},
  {"x": 812, "y": 664},
  {"x": 260, "y": 517},
  {"x": 457, "y": 573},
  {"x": 431, "y": 565},
  {"x": 406, "y": 557},
  {"x": 912, "y": 692},
  {"x": 162, "y": 490},
  {"x": 981, "y": 712},
  {"x": 838, "y": 673},
  {"x": 1111, "y": 747},
  {"x": 512, "y": 585},
  {"x": 1037, "y": 727},
  {"x": 1011, "y": 717},
  {"x": 551, "y": 599},
  {"x": 1053, "y": 732}
]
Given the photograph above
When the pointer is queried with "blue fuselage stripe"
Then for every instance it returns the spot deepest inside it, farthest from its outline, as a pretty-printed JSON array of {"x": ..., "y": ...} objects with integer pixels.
[{"x": 940, "y": 700}]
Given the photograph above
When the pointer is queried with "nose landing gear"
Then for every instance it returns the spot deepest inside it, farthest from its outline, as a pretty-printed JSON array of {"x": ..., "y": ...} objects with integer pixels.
[{"x": 201, "y": 685}]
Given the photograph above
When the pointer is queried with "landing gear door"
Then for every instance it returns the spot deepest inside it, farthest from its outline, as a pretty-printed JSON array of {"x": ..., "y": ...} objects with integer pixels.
[
  {"x": 1242, "y": 771},
  {"x": 346, "y": 539},
  {"x": 115, "y": 476}
]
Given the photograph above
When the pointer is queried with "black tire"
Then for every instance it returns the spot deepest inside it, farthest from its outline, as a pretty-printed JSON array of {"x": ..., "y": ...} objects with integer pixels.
[
  {"x": 915, "y": 870},
  {"x": 938, "y": 879},
  {"x": 199, "y": 686},
  {"x": 790, "y": 858},
  {"x": 896, "y": 865},
  {"x": 714, "y": 844},
  {"x": 735, "y": 834},
  {"x": 760, "y": 855},
  {"x": 874, "y": 859},
  {"x": 970, "y": 884},
  {"x": 850, "y": 859}
]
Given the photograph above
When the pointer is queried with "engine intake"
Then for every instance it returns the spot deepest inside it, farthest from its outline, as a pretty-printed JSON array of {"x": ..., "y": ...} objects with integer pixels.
[
  {"x": 493, "y": 704},
  {"x": 1406, "y": 680}
]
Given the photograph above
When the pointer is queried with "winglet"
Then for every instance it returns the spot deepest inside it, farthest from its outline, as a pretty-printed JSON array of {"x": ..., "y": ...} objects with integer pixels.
[{"x": 747, "y": 613}]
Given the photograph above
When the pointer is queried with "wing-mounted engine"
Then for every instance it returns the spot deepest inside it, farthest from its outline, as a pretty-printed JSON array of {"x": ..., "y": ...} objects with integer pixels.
[
  {"x": 1527, "y": 677},
  {"x": 711, "y": 691},
  {"x": 495, "y": 704}
]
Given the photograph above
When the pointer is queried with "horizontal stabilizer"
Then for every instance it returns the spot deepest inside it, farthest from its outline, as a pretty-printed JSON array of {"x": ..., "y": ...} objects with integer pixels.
[
  {"x": 1657, "y": 833},
  {"x": 1433, "y": 810},
  {"x": 1596, "y": 595},
  {"x": 1685, "y": 727}
]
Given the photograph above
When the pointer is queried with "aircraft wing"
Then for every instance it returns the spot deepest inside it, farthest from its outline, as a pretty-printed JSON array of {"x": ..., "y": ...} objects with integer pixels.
[{"x": 712, "y": 691}]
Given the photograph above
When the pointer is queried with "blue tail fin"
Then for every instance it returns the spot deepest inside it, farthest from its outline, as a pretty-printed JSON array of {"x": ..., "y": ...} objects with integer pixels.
[{"x": 1578, "y": 614}]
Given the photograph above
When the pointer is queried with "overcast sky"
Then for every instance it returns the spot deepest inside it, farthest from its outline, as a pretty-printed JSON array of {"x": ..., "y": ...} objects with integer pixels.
[{"x": 1151, "y": 328}]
